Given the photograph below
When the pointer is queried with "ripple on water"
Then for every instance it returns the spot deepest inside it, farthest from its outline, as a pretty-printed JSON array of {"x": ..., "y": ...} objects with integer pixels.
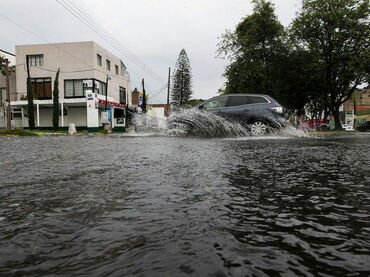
[{"x": 165, "y": 206}]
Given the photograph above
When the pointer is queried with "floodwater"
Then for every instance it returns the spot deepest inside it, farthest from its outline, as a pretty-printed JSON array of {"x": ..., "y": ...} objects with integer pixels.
[{"x": 170, "y": 206}]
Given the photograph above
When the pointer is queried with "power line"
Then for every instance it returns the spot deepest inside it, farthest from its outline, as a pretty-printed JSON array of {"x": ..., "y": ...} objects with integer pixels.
[
  {"x": 6, "y": 52},
  {"x": 61, "y": 71},
  {"x": 104, "y": 32},
  {"x": 74, "y": 57},
  {"x": 52, "y": 44},
  {"x": 89, "y": 21}
]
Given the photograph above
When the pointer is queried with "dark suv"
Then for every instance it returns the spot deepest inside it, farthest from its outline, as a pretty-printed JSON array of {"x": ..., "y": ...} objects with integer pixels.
[{"x": 256, "y": 112}]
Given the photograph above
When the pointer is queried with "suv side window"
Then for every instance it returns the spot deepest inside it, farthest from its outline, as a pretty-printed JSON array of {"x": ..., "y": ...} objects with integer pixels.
[
  {"x": 218, "y": 102},
  {"x": 256, "y": 99},
  {"x": 236, "y": 101}
]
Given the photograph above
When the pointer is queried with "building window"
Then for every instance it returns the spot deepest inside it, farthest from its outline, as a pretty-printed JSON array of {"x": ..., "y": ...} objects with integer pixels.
[
  {"x": 116, "y": 66},
  {"x": 99, "y": 87},
  {"x": 98, "y": 58},
  {"x": 41, "y": 88},
  {"x": 16, "y": 113},
  {"x": 36, "y": 60},
  {"x": 108, "y": 64},
  {"x": 123, "y": 69},
  {"x": 74, "y": 89},
  {"x": 3, "y": 94},
  {"x": 122, "y": 95}
]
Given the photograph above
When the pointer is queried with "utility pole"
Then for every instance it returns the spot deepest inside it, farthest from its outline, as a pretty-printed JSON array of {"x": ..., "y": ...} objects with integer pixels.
[
  {"x": 9, "y": 118},
  {"x": 354, "y": 110},
  {"x": 30, "y": 108},
  {"x": 169, "y": 86},
  {"x": 28, "y": 67}
]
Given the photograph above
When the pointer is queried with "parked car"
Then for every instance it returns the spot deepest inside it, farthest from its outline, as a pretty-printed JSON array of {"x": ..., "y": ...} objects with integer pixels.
[
  {"x": 364, "y": 127},
  {"x": 323, "y": 127},
  {"x": 257, "y": 112}
]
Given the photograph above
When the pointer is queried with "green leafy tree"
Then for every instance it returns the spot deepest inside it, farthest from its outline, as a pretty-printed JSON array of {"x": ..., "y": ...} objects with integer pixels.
[
  {"x": 56, "y": 101},
  {"x": 256, "y": 50},
  {"x": 300, "y": 80},
  {"x": 336, "y": 33},
  {"x": 181, "y": 81}
]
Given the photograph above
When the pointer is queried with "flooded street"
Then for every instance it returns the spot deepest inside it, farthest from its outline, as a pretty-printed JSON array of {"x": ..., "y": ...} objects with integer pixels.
[{"x": 169, "y": 206}]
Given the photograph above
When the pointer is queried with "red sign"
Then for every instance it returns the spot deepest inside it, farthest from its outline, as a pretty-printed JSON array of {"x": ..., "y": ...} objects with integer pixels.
[
  {"x": 111, "y": 103},
  {"x": 362, "y": 108}
]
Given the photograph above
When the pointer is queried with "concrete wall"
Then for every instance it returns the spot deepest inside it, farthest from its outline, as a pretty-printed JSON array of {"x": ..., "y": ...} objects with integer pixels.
[
  {"x": 2, "y": 118},
  {"x": 69, "y": 57},
  {"x": 76, "y": 115},
  {"x": 46, "y": 116},
  {"x": 12, "y": 85},
  {"x": 116, "y": 80},
  {"x": 76, "y": 60}
]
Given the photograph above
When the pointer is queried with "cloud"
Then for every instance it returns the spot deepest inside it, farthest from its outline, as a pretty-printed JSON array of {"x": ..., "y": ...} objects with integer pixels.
[{"x": 154, "y": 31}]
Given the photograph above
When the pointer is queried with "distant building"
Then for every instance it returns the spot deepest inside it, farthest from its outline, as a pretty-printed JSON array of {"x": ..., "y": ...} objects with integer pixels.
[
  {"x": 136, "y": 98},
  {"x": 3, "y": 93},
  {"x": 359, "y": 109},
  {"x": 85, "y": 70}
]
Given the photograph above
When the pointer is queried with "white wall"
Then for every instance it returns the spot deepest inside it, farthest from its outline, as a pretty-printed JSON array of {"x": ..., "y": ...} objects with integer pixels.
[
  {"x": 76, "y": 60},
  {"x": 76, "y": 115},
  {"x": 46, "y": 116}
]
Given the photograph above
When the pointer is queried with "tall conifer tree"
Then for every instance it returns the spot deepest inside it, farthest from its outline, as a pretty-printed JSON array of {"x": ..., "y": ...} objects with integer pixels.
[
  {"x": 56, "y": 101},
  {"x": 182, "y": 81}
]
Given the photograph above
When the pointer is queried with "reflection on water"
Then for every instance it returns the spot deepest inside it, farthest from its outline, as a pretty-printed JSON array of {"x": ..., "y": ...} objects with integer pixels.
[{"x": 166, "y": 206}]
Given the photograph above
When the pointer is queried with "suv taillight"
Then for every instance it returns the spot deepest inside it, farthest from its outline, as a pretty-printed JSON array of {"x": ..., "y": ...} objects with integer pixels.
[{"x": 277, "y": 109}]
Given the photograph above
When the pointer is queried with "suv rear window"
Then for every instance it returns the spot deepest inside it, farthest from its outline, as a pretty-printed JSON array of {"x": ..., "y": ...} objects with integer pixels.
[
  {"x": 236, "y": 101},
  {"x": 256, "y": 99}
]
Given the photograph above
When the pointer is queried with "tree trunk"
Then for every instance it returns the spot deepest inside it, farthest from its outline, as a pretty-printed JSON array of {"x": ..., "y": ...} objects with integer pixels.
[{"x": 338, "y": 125}]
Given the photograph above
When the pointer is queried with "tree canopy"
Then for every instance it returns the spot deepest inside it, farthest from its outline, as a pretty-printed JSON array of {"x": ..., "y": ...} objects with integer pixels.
[
  {"x": 318, "y": 61},
  {"x": 255, "y": 49},
  {"x": 337, "y": 33}
]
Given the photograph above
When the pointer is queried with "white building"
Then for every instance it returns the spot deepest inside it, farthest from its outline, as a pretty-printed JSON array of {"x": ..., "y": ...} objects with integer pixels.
[
  {"x": 85, "y": 70},
  {"x": 3, "y": 92}
]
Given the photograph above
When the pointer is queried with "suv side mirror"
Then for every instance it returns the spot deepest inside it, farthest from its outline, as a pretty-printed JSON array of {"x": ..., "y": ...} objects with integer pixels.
[{"x": 200, "y": 107}]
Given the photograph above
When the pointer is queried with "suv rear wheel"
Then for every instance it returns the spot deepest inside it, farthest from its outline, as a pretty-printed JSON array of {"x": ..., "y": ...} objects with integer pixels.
[{"x": 258, "y": 128}]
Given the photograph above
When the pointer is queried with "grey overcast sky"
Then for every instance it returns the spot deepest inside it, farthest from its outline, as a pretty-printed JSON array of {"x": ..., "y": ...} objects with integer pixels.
[{"x": 153, "y": 31}]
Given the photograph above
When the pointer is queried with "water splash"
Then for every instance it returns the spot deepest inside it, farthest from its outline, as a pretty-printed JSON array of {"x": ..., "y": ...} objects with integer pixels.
[
  {"x": 147, "y": 124},
  {"x": 289, "y": 130},
  {"x": 198, "y": 123},
  {"x": 193, "y": 122}
]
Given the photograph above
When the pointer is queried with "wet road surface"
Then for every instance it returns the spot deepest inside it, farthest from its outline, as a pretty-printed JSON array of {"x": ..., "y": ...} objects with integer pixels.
[{"x": 169, "y": 206}]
